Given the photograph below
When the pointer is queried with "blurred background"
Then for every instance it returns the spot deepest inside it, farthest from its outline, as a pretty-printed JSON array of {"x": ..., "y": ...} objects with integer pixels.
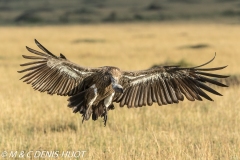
[
  {"x": 132, "y": 35},
  {"x": 14, "y": 12}
]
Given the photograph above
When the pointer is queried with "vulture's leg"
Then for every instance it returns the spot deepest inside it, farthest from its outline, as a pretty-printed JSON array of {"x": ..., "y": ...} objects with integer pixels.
[
  {"x": 107, "y": 103},
  {"x": 83, "y": 118},
  {"x": 105, "y": 116}
]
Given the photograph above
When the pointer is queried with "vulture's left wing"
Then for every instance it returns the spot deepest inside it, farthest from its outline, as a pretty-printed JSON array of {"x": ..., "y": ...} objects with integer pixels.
[
  {"x": 167, "y": 85},
  {"x": 55, "y": 75}
]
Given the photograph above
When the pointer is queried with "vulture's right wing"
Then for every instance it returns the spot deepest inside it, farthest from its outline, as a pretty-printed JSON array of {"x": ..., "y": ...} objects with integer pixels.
[
  {"x": 52, "y": 74},
  {"x": 167, "y": 85}
]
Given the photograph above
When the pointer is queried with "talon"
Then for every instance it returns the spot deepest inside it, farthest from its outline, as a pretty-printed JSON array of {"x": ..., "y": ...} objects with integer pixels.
[
  {"x": 82, "y": 119},
  {"x": 105, "y": 120}
]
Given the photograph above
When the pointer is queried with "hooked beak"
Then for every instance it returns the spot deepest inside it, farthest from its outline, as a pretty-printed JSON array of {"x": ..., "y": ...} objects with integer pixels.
[{"x": 117, "y": 87}]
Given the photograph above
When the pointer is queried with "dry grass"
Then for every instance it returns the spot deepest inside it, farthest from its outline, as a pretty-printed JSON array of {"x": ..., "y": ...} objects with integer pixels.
[{"x": 201, "y": 130}]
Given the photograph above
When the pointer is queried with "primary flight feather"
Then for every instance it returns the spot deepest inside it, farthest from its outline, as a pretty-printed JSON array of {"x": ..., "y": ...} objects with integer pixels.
[{"x": 92, "y": 91}]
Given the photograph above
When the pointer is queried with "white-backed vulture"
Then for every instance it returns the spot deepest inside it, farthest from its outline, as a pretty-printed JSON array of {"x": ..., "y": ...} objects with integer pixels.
[{"x": 92, "y": 91}]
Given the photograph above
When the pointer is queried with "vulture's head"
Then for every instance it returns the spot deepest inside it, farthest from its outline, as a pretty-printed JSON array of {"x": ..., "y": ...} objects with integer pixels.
[{"x": 115, "y": 74}]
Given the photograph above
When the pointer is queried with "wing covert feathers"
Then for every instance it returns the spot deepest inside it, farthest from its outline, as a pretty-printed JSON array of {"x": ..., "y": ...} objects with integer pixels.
[{"x": 168, "y": 84}]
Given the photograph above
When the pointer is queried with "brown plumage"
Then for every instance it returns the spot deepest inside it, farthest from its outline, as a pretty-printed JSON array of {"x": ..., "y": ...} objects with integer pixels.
[{"x": 92, "y": 91}]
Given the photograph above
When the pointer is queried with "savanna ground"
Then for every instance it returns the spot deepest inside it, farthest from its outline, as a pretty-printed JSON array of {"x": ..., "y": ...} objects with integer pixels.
[{"x": 35, "y": 121}]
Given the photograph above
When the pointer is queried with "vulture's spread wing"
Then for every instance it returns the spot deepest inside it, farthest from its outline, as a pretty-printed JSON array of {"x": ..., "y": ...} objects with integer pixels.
[
  {"x": 55, "y": 75},
  {"x": 167, "y": 85}
]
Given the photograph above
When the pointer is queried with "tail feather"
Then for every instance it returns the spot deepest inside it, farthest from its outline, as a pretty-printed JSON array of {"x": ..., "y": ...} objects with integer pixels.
[
  {"x": 76, "y": 99},
  {"x": 78, "y": 108},
  {"x": 97, "y": 111},
  {"x": 77, "y": 103}
]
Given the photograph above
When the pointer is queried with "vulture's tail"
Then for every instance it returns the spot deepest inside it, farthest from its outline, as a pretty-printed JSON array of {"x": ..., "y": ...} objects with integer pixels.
[{"x": 78, "y": 104}]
